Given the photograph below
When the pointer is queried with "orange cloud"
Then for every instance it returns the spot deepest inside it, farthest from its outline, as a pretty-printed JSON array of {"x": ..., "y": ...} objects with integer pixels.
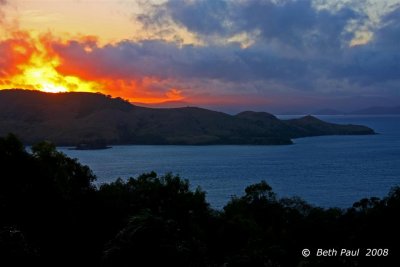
[
  {"x": 14, "y": 52},
  {"x": 30, "y": 62},
  {"x": 140, "y": 91}
]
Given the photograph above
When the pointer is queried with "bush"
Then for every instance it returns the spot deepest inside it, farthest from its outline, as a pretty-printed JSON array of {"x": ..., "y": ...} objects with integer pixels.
[{"x": 52, "y": 214}]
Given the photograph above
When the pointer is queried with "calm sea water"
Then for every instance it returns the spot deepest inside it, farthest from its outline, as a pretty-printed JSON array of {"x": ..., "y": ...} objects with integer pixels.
[{"x": 325, "y": 171}]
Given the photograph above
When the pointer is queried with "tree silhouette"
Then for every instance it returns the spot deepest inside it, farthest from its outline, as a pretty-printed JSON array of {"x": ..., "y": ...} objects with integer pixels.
[{"x": 52, "y": 214}]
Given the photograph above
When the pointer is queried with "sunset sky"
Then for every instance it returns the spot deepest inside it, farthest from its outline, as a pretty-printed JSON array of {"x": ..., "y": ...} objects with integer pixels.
[{"x": 271, "y": 55}]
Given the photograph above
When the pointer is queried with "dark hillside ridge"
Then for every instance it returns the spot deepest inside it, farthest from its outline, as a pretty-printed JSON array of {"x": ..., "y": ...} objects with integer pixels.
[{"x": 74, "y": 118}]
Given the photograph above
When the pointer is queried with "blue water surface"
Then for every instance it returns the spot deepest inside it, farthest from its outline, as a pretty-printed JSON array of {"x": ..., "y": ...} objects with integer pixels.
[{"x": 328, "y": 171}]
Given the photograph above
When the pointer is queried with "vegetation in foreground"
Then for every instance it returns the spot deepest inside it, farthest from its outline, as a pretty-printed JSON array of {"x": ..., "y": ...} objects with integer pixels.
[{"x": 53, "y": 215}]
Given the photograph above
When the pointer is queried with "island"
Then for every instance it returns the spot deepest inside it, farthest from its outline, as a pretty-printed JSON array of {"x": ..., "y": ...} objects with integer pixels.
[
  {"x": 68, "y": 118},
  {"x": 90, "y": 146}
]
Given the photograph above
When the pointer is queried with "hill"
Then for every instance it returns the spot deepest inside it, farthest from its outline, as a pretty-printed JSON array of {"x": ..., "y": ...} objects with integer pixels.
[
  {"x": 328, "y": 111},
  {"x": 73, "y": 118}
]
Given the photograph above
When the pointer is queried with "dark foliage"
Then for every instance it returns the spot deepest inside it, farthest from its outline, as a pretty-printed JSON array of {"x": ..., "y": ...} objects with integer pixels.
[{"x": 52, "y": 215}]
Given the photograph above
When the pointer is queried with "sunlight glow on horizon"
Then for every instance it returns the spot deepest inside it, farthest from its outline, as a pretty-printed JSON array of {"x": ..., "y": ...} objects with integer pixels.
[
  {"x": 35, "y": 67},
  {"x": 29, "y": 29}
]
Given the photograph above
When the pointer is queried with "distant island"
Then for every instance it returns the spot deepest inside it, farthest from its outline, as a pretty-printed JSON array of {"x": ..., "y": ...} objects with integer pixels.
[
  {"x": 366, "y": 111},
  {"x": 90, "y": 146},
  {"x": 328, "y": 111},
  {"x": 71, "y": 119},
  {"x": 378, "y": 111}
]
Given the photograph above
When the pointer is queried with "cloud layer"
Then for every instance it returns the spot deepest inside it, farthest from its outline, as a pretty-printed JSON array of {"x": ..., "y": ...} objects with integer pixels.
[{"x": 276, "y": 54}]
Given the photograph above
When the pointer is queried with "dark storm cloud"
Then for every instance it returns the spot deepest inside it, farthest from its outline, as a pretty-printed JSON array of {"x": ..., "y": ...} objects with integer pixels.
[
  {"x": 165, "y": 60},
  {"x": 295, "y": 46},
  {"x": 153, "y": 58},
  {"x": 388, "y": 36},
  {"x": 377, "y": 61},
  {"x": 206, "y": 17},
  {"x": 292, "y": 23},
  {"x": 305, "y": 41}
]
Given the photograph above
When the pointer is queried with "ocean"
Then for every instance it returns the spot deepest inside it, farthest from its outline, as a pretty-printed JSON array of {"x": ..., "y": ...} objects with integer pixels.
[{"x": 326, "y": 171}]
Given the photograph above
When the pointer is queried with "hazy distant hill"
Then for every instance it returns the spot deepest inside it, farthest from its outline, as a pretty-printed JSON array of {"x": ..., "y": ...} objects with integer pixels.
[
  {"x": 378, "y": 111},
  {"x": 365, "y": 111},
  {"x": 73, "y": 118},
  {"x": 328, "y": 111}
]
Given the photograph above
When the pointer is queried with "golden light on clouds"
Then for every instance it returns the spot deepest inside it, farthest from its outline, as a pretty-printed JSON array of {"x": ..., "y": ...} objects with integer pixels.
[
  {"x": 361, "y": 38},
  {"x": 35, "y": 67}
]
